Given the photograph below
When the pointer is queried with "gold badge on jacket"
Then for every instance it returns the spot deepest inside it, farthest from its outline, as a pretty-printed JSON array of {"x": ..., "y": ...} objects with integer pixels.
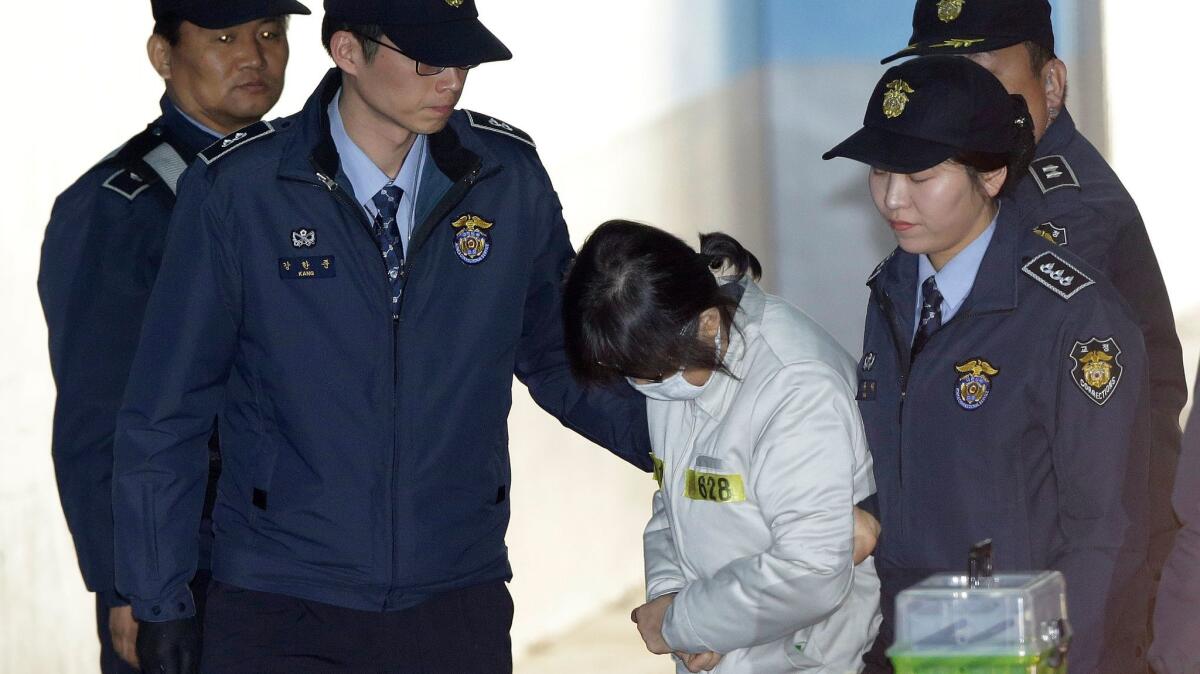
[
  {"x": 473, "y": 242},
  {"x": 975, "y": 384}
]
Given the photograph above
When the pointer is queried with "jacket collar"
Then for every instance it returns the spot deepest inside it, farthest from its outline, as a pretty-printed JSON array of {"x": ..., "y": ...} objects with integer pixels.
[
  {"x": 995, "y": 287},
  {"x": 1057, "y": 135},
  {"x": 718, "y": 395},
  {"x": 187, "y": 138},
  {"x": 311, "y": 149}
]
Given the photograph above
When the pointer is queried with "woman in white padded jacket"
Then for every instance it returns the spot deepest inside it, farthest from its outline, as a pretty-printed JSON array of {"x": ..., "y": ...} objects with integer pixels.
[{"x": 759, "y": 453}]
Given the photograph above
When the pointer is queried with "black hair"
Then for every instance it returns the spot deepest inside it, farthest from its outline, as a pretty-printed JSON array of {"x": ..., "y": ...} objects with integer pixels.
[
  {"x": 1039, "y": 56},
  {"x": 633, "y": 297},
  {"x": 364, "y": 33},
  {"x": 1016, "y": 160},
  {"x": 169, "y": 27}
]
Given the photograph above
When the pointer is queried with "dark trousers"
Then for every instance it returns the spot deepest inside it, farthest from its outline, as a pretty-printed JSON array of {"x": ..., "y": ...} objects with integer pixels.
[
  {"x": 461, "y": 631},
  {"x": 110, "y": 662}
]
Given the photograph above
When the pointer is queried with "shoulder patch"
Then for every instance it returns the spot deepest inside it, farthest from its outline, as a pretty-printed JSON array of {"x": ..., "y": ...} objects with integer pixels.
[
  {"x": 1052, "y": 173},
  {"x": 879, "y": 267},
  {"x": 1096, "y": 368},
  {"x": 1052, "y": 233},
  {"x": 486, "y": 122},
  {"x": 129, "y": 182},
  {"x": 1057, "y": 275},
  {"x": 235, "y": 140}
]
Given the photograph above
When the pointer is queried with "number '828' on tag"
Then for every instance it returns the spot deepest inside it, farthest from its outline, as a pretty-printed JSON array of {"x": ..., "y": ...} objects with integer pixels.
[{"x": 714, "y": 487}]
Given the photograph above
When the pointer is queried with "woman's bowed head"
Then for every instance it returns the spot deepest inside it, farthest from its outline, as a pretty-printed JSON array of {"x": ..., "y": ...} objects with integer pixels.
[{"x": 641, "y": 304}]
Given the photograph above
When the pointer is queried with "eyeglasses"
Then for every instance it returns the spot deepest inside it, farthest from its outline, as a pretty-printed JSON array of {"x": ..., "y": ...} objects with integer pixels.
[{"x": 423, "y": 69}]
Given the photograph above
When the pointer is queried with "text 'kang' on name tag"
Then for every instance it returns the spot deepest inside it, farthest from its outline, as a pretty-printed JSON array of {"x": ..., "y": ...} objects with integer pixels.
[
  {"x": 714, "y": 487},
  {"x": 321, "y": 266}
]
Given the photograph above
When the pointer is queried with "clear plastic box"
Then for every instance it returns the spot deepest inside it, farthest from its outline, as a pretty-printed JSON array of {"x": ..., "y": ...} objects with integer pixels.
[{"x": 1008, "y": 623}]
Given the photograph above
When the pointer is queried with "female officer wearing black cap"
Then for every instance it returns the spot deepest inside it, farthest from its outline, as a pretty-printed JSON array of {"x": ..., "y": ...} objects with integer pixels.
[{"x": 1003, "y": 383}]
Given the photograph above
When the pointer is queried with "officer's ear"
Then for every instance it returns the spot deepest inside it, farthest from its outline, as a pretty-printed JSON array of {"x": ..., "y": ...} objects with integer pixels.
[
  {"x": 158, "y": 50},
  {"x": 346, "y": 51},
  {"x": 1054, "y": 84},
  {"x": 992, "y": 181}
]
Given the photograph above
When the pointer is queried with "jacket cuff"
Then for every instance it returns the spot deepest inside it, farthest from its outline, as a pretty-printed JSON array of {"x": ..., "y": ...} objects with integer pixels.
[
  {"x": 175, "y": 605},
  {"x": 663, "y": 586},
  {"x": 678, "y": 630},
  {"x": 111, "y": 599}
]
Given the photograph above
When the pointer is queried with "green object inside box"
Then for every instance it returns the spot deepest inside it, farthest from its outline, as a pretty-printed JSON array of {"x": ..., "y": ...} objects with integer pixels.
[{"x": 930, "y": 663}]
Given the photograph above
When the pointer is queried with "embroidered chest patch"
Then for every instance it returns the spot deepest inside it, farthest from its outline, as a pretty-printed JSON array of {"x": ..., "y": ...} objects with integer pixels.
[{"x": 975, "y": 383}]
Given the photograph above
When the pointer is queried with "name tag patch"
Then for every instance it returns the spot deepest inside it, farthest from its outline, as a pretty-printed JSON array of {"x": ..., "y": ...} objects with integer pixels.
[
  {"x": 714, "y": 487},
  {"x": 658, "y": 470},
  {"x": 321, "y": 266}
]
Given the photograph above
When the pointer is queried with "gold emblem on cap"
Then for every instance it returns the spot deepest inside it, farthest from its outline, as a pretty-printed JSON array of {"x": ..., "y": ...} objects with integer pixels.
[
  {"x": 896, "y": 98},
  {"x": 454, "y": 3},
  {"x": 949, "y": 10}
]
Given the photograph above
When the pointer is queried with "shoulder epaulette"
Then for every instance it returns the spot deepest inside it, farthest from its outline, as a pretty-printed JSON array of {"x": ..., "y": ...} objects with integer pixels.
[
  {"x": 1057, "y": 275},
  {"x": 489, "y": 123},
  {"x": 1052, "y": 173},
  {"x": 235, "y": 140},
  {"x": 879, "y": 267},
  {"x": 143, "y": 161},
  {"x": 130, "y": 182}
]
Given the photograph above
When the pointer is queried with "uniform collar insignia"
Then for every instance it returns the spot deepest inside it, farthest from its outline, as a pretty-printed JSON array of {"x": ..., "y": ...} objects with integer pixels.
[{"x": 1052, "y": 173}]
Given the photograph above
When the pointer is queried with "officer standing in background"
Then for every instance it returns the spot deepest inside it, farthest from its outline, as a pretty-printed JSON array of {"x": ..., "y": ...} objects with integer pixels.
[
  {"x": 1176, "y": 647},
  {"x": 351, "y": 290},
  {"x": 1003, "y": 385},
  {"x": 223, "y": 66},
  {"x": 1072, "y": 198}
]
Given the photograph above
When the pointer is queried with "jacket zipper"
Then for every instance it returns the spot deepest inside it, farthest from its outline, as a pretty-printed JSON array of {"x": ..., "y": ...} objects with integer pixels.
[{"x": 344, "y": 199}]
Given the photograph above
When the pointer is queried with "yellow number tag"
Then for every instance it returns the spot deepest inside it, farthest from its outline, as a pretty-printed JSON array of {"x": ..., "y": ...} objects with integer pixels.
[
  {"x": 714, "y": 487},
  {"x": 658, "y": 470}
]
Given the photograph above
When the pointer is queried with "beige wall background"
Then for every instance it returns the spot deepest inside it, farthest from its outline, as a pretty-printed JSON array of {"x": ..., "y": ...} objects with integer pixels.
[{"x": 641, "y": 110}]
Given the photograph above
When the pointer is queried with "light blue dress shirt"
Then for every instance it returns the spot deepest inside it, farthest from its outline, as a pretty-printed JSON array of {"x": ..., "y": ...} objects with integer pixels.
[
  {"x": 366, "y": 179},
  {"x": 195, "y": 123},
  {"x": 956, "y": 277}
]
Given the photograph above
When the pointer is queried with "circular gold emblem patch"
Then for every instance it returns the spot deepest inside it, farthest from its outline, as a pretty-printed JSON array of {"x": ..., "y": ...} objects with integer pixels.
[{"x": 949, "y": 10}]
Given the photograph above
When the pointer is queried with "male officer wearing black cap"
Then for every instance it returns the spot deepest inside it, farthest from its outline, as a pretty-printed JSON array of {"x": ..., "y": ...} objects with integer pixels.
[
  {"x": 1004, "y": 384},
  {"x": 1072, "y": 198},
  {"x": 351, "y": 290},
  {"x": 223, "y": 65}
]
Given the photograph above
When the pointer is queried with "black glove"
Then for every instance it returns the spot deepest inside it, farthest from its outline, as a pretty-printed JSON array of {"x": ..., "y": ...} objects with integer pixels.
[{"x": 171, "y": 647}]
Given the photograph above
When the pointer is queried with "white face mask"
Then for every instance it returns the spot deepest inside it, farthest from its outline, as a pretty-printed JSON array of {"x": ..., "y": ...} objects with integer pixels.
[{"x": 675, "y": 387}]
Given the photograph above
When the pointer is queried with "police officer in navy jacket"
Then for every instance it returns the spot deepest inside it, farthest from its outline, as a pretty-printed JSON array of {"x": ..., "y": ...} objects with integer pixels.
[
  {"x": 351, "y": 290},
  {"x": 223, "y": 65},
  {"x": 1003, "y": 384},
  {"x": 1072, "y": 198}
]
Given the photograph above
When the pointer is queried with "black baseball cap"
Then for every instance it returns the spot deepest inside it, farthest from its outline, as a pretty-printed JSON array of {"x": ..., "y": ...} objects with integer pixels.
[
  {"x": 223, "y": 13},
  {"x": 973, "y": 26},
  {"x": 434, "y": 32},
  {"x": 930, "y": 109}
]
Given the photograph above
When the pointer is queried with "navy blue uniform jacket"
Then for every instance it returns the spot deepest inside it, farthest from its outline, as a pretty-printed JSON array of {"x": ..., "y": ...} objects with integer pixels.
[
  {"x": 1024, "y": 420},
  {"x": 1074, "y": 199},
  {"x": 100, "y": 257},
  {"x": 365, "y": 460}
]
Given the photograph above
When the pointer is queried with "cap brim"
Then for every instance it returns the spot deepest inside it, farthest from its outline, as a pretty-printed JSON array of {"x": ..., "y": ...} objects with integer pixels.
[
  {"x": 213, "y": 15},
  {"x": 972, "y": 45},
  {"x": 466, "y": 42},
  {"x": 892, "y": 152}
]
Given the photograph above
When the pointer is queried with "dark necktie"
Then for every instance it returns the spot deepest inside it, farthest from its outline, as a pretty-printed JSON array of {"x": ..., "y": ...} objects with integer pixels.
[
  {"x": 387, "y": 233},
  {"x": 931, "y": 315}
]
